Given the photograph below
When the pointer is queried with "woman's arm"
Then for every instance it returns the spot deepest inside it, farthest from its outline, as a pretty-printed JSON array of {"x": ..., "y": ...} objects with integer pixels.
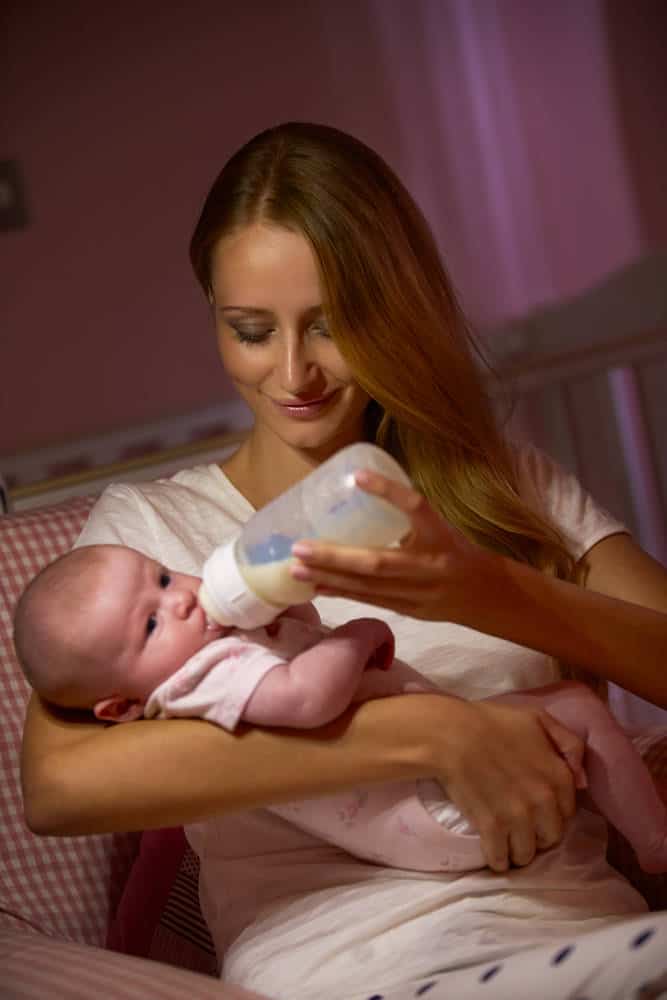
[
  {"x": 615, "y": 626},
  {"x": 496, "y": 763}
]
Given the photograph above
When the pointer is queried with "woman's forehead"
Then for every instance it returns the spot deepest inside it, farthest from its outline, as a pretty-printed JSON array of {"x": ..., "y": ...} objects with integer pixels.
[{"x": 251, "y": 256}]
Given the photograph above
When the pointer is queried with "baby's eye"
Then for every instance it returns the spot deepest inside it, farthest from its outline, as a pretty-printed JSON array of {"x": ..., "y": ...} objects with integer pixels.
[
  {"x": 151, "y": 624},
  {"x": 165, "y": 580}
]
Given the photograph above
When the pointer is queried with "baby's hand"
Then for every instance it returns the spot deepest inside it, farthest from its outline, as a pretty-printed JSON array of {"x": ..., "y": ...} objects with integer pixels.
[
  {"x": 381, "y": 641},
  {"x": 382, "y": 658}
]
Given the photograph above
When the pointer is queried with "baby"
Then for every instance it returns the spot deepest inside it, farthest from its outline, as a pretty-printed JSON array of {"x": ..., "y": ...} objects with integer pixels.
[{"x": 106, "y": 628}]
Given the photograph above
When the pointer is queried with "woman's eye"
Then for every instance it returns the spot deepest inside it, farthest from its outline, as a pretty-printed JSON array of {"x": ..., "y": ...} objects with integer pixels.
[
  {"x": 151, "y": 624},
  {"x": 165, "y": 580},
  {"x": 321, "y": 328},
  {"x": 251, "y": 336}
]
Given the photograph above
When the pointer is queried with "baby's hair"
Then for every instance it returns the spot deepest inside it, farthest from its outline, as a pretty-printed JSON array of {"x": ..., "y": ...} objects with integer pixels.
[{"x": 44, "y": 630}]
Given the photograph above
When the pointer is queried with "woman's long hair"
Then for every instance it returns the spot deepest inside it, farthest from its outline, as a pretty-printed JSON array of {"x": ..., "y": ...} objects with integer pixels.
[{"x": 395, "y": 319}]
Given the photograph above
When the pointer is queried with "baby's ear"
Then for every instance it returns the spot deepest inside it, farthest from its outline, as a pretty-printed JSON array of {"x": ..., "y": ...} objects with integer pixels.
[{"x": 118, "y": 709}]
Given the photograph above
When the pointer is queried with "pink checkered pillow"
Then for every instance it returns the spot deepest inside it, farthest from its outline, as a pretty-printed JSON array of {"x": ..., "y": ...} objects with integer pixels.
[{"x": 65, "y": 887}]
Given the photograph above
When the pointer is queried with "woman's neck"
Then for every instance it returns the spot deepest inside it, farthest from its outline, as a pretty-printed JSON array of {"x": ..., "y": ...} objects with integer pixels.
[
  {"x": 265, "y": 465},
  {"x": 261, "y": 470}
]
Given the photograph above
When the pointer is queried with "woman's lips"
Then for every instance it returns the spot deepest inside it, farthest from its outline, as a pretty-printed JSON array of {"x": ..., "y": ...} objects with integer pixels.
[{"x": 305, "y": 409}]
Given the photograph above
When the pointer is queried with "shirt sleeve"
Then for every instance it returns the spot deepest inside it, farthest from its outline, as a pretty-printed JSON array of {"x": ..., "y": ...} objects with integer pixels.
[
  {"x": 557, "y": 494},
  {"x": 118, "y": 519}
]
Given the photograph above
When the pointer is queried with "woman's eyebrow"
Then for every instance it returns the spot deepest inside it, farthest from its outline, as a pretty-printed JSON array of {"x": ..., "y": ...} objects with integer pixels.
[
  {"x": 310, "y": 313},
  {"x": 245, "y": 310}
]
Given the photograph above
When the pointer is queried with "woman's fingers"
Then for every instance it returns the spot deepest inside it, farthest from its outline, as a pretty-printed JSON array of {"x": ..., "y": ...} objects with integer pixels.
[
  {"x": 430, "y": 575},
  {"x": 340, "y": 562},
  {"x": 495, "y": 845},
  {"x": 523, "y": 841},
  {"x": 406, "y": 498},
  {"x": 549, "y": 825},
  {"x": 382, "y": 577},
  {"x": 425, "y": 521},
  {"x": 506, "y": 777},
  {"x": 572, "y": 749}
]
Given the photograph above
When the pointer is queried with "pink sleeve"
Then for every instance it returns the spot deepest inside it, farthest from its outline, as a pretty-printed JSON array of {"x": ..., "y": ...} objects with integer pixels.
[{"x": 216, "y": 683}]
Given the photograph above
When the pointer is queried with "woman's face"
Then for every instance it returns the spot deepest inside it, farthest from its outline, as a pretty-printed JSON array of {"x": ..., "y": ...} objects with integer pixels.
[{"x": 274, "y": 341}]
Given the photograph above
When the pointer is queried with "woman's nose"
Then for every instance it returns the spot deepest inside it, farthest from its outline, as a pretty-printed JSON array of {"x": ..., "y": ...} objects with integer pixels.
[{"x": 297, "y": 370}]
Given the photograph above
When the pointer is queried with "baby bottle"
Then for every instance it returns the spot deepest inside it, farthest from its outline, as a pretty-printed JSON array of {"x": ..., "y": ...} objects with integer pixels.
[{"x": 247, "y": 581}]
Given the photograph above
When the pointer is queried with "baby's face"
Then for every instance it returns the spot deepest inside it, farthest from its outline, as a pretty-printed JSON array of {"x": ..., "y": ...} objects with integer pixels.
[{"x": 150, "y": 620}]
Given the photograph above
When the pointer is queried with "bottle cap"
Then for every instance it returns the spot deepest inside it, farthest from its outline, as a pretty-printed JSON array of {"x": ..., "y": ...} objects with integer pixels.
[{"x": 225, "y": 596}]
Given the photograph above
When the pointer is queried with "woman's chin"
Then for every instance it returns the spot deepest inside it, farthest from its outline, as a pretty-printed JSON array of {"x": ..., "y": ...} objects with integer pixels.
[{"x": 320, "y": 437}]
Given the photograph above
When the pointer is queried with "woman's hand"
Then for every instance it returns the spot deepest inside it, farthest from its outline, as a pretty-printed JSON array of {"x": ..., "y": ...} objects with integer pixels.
[
  {"x": 435, "y": 574},
  {"x": 615, "y": 626},
  {"x": 500, "y": 767}
]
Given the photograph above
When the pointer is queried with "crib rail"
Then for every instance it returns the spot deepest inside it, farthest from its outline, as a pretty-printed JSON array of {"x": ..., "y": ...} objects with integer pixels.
[{"x": 601, "y": 410}]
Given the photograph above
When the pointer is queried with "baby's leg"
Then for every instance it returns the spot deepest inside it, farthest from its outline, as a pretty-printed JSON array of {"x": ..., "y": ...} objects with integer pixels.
[
  {"x": 618, "y": 781},
  {"x": 389, "y": 825}
]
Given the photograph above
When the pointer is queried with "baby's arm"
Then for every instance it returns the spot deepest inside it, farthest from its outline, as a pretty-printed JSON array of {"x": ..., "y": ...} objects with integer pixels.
[
  {"x": 320, "y": 683},
  {"x": 307, "y": 613}
]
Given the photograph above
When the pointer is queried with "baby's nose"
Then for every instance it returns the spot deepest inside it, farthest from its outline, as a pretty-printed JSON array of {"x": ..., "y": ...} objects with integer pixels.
[{"x": 183, "y": 601}]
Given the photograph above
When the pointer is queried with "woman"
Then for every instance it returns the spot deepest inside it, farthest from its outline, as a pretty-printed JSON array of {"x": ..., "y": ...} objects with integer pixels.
[{"x": 337, "y": 323}]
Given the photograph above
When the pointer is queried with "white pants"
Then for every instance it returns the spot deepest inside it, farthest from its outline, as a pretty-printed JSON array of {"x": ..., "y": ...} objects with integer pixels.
[{"x": 626, "y": 961}]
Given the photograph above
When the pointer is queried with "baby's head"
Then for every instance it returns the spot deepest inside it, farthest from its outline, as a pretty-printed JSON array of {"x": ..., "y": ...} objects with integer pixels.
[{"x": 103, "y": 625}]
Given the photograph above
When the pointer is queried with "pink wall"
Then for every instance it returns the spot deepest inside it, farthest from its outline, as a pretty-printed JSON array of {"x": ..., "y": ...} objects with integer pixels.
[
  {"x": 637, "y": 35},
  {"x": 120, "y": 116},
  {"x": 120, "y": 119}
]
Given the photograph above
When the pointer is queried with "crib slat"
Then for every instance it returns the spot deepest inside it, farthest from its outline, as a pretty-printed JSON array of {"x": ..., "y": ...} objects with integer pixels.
[{"x": 639, "y": 459}]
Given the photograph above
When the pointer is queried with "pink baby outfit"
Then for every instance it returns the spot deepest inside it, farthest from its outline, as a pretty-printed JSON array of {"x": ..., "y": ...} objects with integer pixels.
[
  {"x": 388, "y": 823},
  {"x": 217, "y": 682}
]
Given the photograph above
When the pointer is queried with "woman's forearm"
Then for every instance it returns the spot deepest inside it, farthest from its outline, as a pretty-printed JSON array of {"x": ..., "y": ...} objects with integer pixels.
[
  {"x": 620, "y": 641},
  {"x": 496, "y": 763},
  {"x": 83, "y": 778}
]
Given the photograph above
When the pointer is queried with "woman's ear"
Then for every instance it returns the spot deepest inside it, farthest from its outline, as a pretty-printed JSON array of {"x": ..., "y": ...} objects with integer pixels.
[{"x": 118, "y": 709}]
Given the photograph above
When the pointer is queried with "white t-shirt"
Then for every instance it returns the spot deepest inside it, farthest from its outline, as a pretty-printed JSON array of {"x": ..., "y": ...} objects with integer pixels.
[{"x": 296, "y": 918}]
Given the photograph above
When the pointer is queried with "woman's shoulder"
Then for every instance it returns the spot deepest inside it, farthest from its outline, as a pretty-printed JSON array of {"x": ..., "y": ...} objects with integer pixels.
[
  {"x": 176, "y": 520},
  {"x": 559, "y": 495}
]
